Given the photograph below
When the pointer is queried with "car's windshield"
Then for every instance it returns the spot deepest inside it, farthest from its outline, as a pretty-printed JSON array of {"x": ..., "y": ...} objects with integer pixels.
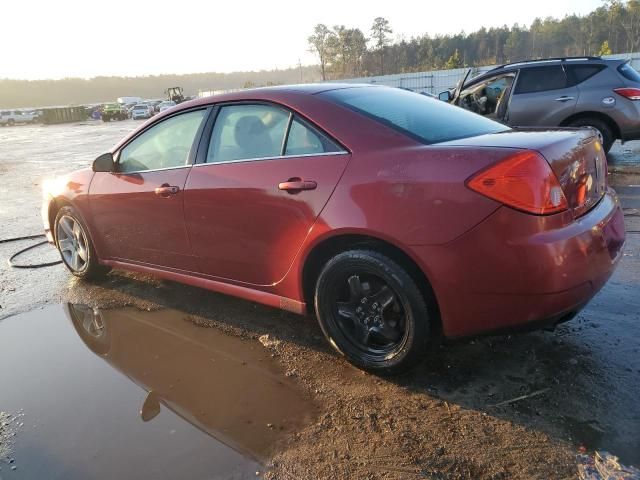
[
  {"x": 140, "y": 107},
  {"x": 425, "y": 119},
  {"x": 629, "y": 72}
]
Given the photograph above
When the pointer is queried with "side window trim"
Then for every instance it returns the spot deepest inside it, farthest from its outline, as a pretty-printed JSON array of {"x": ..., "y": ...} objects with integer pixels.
[
  {"x": 194, "y": 146},
  {"x": 285, "y": 140},
  {"x": 201, "y": 156}
]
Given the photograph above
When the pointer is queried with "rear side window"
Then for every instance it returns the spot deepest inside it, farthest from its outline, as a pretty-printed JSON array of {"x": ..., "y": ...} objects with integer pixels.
[
  {"x": 245, "y": 132},
  {"x": 424, "y": 119},
  {"x": 628, "y": 72},
  {"x": 541, "y": 79},
  {"x": 303, "y": 139},
  {"x": 579, "y": 73}
]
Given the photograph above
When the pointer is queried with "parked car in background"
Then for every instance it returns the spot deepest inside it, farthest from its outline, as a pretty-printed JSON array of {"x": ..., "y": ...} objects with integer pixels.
[
  {"x": 142, "y": 111},
  {"x": 113, "y": 111},
  {"x": 13, "y": 117},
  {"x": 129, "y": 100},
  {"x": 166, "y": 105},
  {"x": 392, "y": 215},
  {"x": 562, "y": 92}
]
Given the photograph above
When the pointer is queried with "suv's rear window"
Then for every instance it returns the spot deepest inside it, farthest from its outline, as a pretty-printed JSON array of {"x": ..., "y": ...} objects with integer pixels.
[
  {"x": 540, "y": 79},
  {"x": 423, "y": 118},
  {"x": 629, "y": 72}
]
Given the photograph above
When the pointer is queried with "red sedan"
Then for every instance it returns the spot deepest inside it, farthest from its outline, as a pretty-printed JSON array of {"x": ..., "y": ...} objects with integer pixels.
[{"x": 394, "y": 216}]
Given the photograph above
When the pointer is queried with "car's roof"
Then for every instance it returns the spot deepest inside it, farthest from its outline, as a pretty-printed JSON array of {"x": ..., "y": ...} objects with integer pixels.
[
  {"x": 268, "y": 93},
  {"x": 509, "y": 67}
]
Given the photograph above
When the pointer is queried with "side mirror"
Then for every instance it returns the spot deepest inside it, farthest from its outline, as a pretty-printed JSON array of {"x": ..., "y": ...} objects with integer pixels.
[
  {"x": 445, "y": 96},
  {"x": 104, "y": 163},
  {"x": 151, "y": 407}
]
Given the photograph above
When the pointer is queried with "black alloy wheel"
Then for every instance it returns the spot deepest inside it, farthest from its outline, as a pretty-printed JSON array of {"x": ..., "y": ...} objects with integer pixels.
[{"x": 372, "y": 312}]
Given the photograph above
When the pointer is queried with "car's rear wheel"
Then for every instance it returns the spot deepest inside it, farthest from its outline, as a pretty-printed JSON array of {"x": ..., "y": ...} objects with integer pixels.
[
  {"x": 75, "y": 247},
  {"x": 601, "y": 126},
  {"x": 372, "y": 312}
]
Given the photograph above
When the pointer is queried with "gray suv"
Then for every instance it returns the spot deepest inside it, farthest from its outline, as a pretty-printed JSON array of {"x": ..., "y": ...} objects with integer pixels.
[{"x": 558, "y": 92}]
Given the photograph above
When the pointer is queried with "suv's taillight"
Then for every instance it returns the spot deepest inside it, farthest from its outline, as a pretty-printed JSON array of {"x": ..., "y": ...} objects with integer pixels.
[
  {"x": 630, "y": 93},
  {"x": 524, "y": 181}
]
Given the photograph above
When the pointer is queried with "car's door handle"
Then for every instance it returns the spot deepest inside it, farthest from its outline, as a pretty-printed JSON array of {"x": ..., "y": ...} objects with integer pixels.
[
  {"x": 165, "y": 190},
  {"x": 564, "y": 98},
  {"x": 295, "y": 185}
]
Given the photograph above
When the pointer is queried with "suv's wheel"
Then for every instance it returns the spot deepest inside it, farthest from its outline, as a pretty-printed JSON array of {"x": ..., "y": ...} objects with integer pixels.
[
  {"x": 74, "y": 244},
  {"x": 601, "y": 126},
  {"x": 372, "y": 312}
]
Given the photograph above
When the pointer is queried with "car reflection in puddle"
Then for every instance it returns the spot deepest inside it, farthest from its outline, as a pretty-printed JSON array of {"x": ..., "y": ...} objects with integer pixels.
[{"x": 83, "y": 419}]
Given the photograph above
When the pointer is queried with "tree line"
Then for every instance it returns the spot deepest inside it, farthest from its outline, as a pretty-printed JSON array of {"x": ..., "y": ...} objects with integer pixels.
[
  {"x": 345, "y": 52},
  {"x": 78, "y": 91}
]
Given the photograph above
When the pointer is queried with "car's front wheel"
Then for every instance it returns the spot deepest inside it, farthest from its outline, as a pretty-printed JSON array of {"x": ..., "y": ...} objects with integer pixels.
[
  {"x": 372, "y": 312},
  {"x": 74, "y": 244}
]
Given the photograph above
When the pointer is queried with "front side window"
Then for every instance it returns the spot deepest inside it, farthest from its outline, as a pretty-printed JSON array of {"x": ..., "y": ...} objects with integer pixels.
[
  {"x": 165, "y": 145},
  {"x": 541, "y": 79},
  {"x": 245, "y": 132},
  {"x": 425, "y": 119},
  {"x": 484, "y": 97},
  {"x": 303, "y": 139}
]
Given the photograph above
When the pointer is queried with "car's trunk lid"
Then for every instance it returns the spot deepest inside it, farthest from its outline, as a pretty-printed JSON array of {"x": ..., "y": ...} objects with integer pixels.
[{"x": 575, "y": 156}]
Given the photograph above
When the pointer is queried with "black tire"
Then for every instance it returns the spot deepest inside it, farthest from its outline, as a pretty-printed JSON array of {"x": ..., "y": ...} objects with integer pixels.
[
  {"x": 11, "y": 122},
  {"x": 106, "y": 118},
  {"x": 386, "y": 338},
  {"x": 603, "y": 127},
  {"x": 90, "y": 268}
]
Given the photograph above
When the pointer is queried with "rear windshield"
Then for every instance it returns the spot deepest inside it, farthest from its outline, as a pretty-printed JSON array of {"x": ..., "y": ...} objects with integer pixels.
[
  {"x": 629, "y": 72},
  {"x": 423, "y": 118},
  {"x": 140, "y": 107}
]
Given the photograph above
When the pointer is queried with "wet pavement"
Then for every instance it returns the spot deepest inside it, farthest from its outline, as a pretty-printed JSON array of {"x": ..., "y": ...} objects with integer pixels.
[
  {"x": 128, "y": 394},
  {"x": 493, "y": 407}
]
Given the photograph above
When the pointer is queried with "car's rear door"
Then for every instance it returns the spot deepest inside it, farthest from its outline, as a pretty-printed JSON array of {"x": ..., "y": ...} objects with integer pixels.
[
  {"x": 261, "y": 180},
  {"x": 138, "y": 211},
  {"x": 542, "y": 96}
]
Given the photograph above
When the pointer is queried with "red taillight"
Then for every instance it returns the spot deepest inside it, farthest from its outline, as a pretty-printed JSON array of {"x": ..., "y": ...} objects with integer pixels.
[
  {"x": 524, "y": 181},
  {"x": 630, "y": 93}
]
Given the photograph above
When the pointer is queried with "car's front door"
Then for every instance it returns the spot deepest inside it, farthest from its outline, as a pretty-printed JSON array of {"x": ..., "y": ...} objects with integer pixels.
[
  {"x": 138, "y": 210},
  {"x": 488, "y": 97},
  {"x": 263, "y": 179},
  {"x": 541, "y": 97}
]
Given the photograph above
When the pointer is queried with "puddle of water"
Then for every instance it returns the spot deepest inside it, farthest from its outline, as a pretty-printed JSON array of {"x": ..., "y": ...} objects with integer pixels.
[{"x": 129, "y": 394}]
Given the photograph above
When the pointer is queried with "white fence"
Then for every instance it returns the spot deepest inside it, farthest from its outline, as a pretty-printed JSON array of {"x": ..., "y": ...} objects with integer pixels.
[{"x": 436, "y": 81}]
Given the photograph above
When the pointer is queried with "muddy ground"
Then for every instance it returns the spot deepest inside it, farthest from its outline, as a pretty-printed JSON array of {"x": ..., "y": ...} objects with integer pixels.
[{"x": 453, "y": 417}]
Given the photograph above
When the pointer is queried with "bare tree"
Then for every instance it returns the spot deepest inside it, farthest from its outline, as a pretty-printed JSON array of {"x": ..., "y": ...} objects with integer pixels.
[
  {"x": 380, "y": 31},
  {"x": 320, "y": 43}
]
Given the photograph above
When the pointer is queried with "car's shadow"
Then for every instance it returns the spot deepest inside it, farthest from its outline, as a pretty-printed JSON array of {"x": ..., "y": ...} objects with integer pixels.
[{"x": 548, "y": 381}]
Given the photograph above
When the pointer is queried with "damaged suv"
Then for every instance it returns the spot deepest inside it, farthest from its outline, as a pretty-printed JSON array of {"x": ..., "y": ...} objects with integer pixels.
[{"x": 561, "y": 92}]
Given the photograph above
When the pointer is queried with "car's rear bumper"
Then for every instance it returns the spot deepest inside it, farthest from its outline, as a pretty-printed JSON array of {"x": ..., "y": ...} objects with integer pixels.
[
  {"x": 628, "y": 121},
  {"x": 516, "y": 270}
]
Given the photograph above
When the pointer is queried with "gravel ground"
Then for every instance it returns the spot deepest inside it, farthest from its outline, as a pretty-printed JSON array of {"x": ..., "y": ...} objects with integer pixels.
[{"x": 445, "y": 420}]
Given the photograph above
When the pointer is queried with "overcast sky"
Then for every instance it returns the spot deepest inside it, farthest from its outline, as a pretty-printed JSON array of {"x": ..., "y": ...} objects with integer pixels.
[{"x": 85, "y": 38}]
